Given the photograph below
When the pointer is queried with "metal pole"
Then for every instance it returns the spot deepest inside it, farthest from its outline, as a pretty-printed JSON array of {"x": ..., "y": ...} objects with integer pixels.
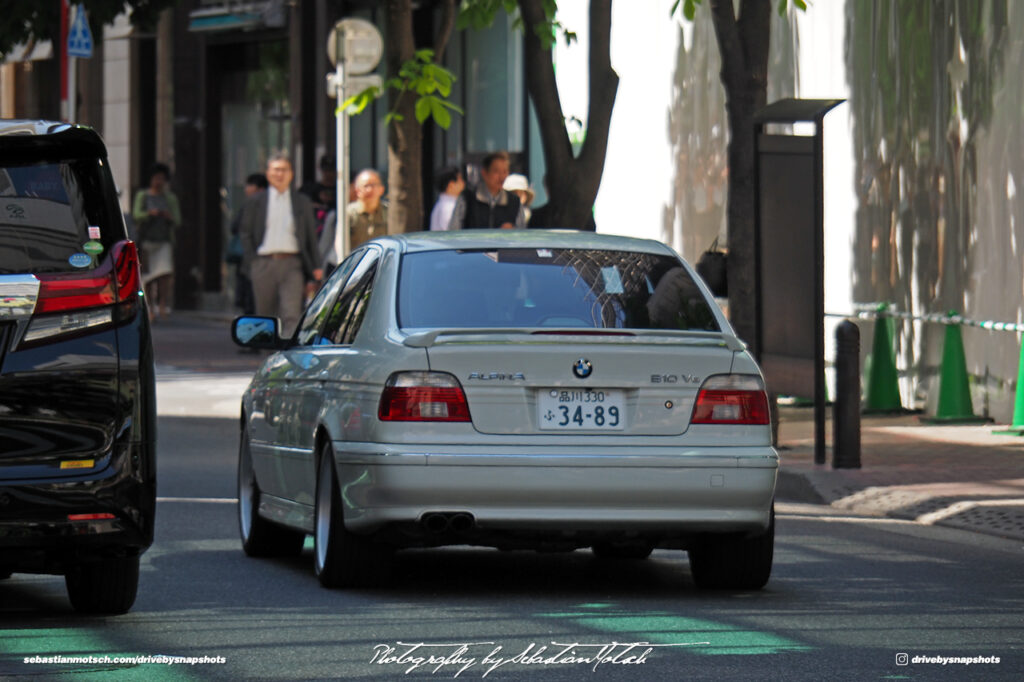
[{"x": 341, "y": 236}]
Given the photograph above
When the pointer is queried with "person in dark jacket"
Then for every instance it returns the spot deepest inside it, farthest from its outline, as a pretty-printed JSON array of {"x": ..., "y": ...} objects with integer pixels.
[
  {"x": 488, "y": 205},
  {"x": 279, "y": 246}
]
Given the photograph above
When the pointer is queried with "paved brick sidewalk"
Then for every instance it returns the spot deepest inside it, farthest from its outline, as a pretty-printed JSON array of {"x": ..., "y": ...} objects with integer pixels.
[{"x": 960, "y": 476}]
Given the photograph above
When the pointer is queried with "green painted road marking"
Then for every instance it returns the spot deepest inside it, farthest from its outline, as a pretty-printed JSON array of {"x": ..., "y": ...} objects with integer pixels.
[{"x": 667, "y": 628}]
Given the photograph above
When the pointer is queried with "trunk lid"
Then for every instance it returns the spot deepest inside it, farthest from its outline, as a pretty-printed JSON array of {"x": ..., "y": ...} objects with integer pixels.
[{"x": 523, "y": 382}]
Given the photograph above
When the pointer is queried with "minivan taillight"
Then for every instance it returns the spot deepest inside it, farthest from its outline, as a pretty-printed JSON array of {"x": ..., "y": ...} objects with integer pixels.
[
  {"x": 98, "y": 288},
  {"x": 423, "y": 397},
  {"x": 731, "y": 399},
  {"x": 71, "y": 302}
]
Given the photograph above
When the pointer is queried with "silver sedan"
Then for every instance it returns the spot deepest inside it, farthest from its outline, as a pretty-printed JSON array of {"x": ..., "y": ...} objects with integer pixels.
[{"x": 536, "y": 389}]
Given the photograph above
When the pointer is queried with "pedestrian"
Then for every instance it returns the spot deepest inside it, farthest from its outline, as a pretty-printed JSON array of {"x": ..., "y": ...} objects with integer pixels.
[
  {"x": 279, "y": 245},
  {"x": 367, "y": 218},
  {"x": 157, "y": 217},
  {"x": 244, "y": 300},
  {"x": 520, "y": 185},
  {"x": 368, "y": 214},
  {"x": 488, "y": 205},
  {"x": 450, "y": 184}
]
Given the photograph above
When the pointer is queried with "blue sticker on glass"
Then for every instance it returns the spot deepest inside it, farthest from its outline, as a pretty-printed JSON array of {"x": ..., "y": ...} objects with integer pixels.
[{"x": 80, "y": 260}]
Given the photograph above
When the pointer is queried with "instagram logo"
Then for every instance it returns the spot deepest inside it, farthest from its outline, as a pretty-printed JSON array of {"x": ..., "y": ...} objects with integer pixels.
[{"x": 902, "y": 659}]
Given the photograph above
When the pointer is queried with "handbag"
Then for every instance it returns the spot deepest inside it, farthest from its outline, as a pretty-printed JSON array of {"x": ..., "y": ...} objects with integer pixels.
[{"x": 713, "y": 268}]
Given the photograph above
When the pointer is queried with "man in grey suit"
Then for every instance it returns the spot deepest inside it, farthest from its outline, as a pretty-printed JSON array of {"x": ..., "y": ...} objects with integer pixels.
[{"x": 279, "y": 246}]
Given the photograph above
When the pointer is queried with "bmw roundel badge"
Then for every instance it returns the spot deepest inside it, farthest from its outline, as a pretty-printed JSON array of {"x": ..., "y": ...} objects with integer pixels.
[{"x": 582, "y": 368}]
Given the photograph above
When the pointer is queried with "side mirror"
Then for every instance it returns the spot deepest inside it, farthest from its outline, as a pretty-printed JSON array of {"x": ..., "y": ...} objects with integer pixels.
[{"x": 257, "y": 332}]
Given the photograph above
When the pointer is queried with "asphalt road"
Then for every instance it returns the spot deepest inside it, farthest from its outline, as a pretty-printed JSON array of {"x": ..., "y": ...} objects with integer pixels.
[{"x": 848, "y": 596}]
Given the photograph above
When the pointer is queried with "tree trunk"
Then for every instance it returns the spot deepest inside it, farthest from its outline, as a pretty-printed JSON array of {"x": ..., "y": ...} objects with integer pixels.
[
  {"x": 572, "y": 183},
  {"x": 405, "y": 136},
  {"x": 743, "y": 42}
]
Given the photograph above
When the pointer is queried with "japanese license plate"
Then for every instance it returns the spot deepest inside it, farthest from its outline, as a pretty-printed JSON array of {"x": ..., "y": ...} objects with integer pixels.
[{"x": 591, "y": 409}]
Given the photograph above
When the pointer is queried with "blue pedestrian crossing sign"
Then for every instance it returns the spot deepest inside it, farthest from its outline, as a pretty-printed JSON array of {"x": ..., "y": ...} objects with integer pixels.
[{"x": 79, "y": 36}]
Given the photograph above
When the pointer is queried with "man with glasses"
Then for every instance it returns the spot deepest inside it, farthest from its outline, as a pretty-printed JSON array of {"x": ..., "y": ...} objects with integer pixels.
[
  {"x": 279, "y": 247},
  {"x": 367, "y": 218},
  {"x": 367, "y": 215}
]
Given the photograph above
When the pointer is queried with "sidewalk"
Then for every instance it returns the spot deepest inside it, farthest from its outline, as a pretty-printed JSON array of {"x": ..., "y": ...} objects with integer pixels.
[{"x": 959, "y": 476}]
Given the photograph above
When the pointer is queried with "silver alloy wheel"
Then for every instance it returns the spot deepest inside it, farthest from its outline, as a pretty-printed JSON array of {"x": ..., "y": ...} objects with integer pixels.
[
  {"x": 324, "y": 491},
  {"x": 246, "y": 490}
]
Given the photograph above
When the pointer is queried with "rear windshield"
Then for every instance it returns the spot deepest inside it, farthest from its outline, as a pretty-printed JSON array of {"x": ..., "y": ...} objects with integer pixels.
[
  {"x": 56, "y": 216},
  {"x": 549, "y": 288}
]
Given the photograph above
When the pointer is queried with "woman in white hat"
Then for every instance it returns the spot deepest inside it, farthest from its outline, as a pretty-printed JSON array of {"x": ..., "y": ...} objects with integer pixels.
[{"x": 521, "y": 186}]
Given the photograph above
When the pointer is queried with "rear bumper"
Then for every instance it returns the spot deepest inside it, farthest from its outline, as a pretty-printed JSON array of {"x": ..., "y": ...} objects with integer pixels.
[
  {"x": 37, "y": 535},
  {"x": 662, "y": 492}
]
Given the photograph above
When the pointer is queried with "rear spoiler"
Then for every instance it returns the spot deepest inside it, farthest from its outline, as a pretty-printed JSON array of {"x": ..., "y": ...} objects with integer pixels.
[{"x": 427, "y": 339}]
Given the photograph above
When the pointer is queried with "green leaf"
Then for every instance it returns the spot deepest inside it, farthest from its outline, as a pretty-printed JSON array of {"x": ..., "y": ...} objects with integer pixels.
[
  {"x": 454, "y": 107},
  {"x": 425, "y": 55},
  {"x": 689, "y": 9},
  {"x": 423, "y": 109},
  {"x": 440, "y": 114}
]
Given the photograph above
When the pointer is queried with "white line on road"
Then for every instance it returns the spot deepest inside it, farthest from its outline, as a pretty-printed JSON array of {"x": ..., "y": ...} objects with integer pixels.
[{"x": 966, "y": 505}]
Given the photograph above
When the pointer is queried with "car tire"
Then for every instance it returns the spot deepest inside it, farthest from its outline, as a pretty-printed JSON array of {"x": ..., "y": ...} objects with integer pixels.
[
  {"x": 340, "y": 558},
  {"x": 605, "y": 550},
  {"x": 743, "y": 563},
  {"x": 260, "y": 537},
  {"x": 107, "y": 586}
]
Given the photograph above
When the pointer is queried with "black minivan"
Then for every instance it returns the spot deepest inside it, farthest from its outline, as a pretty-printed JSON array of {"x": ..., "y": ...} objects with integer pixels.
[{"x": 77, "y": 388}]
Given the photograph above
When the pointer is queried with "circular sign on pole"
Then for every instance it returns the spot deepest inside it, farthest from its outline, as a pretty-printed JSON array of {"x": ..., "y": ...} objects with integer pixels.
[{"x": 357, "y": 43}]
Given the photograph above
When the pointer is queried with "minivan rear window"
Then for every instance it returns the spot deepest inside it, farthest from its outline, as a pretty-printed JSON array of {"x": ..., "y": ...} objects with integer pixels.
[
  {"x": 54, "y": 217},
  {"x": 544, "y": 287}
]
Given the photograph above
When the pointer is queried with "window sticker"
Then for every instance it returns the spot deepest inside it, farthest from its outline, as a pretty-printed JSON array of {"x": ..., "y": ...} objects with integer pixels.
[
  {"x": 543, "y": 253},
  {"x": 80, "y": 260},
  {"x": 92, "y": 247},
  {"x": 612, "y": 280},
  {"x": 94, "y": 232}
]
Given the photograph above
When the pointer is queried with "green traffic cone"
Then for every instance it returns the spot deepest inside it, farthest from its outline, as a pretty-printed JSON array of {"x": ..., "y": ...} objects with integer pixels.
[
  {"x": 954, "y": 390},
  {"x": 1017, "y": 427},
  {"x": 883, "y": 390}
]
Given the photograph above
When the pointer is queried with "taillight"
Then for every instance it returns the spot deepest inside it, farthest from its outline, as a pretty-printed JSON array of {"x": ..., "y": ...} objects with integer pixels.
[
  {"x": 98, "y": 288},
  {"x": 74, "y": 293},
  {"x": 731, "y": 399},
  {"x": 126, "y": 271},
  {"x": 423, "y": 397},
  {"x": 73, "y": 302}
]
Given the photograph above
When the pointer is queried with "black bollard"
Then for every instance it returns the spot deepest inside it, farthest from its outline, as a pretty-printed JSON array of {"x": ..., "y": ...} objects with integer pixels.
[{"x": 846, "y": 408}]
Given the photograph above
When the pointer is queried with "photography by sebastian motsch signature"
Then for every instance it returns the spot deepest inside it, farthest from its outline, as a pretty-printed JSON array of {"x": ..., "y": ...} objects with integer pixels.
[{"x": 458, "y": 657}]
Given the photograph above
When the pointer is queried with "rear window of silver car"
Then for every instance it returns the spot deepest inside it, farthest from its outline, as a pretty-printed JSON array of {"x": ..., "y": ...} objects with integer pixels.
[
  {"x": 54, "y": 217},
  {"x": 549, "y": 287}
]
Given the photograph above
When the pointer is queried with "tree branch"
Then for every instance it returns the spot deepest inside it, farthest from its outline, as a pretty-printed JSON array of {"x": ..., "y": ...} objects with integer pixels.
[
  {"x": 730, "y": 46},
  {"x": 543, "y": 89},
  {"x": 604, "y": 83},
  {"x": 444, "y": 31}
]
